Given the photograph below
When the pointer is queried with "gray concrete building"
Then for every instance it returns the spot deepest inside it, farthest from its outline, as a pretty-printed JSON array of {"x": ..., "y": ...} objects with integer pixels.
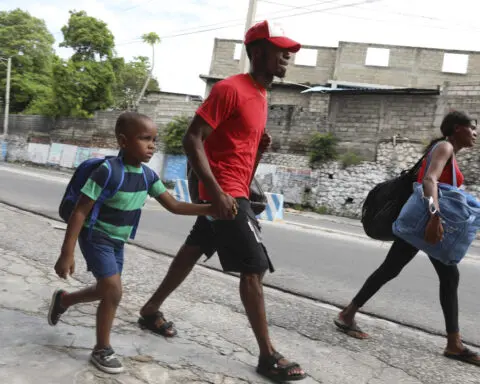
[{"x": 354, "y": 65}]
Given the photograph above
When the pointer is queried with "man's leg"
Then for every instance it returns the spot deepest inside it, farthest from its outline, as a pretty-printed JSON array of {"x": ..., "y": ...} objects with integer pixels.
[
  {"x": 241, "y": 250},
  {"x": 199, "y": 241},
  {"x": 251, "y": 293},
  {"x": 178, "y": 271}
]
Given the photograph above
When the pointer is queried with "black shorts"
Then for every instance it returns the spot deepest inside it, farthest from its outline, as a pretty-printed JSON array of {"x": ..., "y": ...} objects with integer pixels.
[
  {"x": 202, "y": 236},
  {"x": 238, "y": 242}
]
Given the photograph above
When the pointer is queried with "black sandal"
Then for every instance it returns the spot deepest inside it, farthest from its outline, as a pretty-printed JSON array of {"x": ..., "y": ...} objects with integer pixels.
[
  {"x": 269, "y": 368},
  {"x": 466, "y": 356},
  {"x": 167, "y": 329}
]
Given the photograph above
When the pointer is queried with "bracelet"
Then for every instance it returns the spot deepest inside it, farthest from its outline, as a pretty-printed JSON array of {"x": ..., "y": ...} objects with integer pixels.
[{"x": 431, "y": 206}]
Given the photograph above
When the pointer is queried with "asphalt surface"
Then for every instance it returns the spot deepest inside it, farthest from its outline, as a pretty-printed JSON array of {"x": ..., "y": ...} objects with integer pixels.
[{"x": 317, "y": 257}]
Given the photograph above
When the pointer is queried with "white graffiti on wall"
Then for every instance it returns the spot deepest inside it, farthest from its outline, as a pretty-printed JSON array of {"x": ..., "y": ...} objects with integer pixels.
[
  {"x": 38, "y": 153},
  {"x": 290, "y": 182},
  {"x": 69, "y": 153},
  {"x": 70, "y": 156}
]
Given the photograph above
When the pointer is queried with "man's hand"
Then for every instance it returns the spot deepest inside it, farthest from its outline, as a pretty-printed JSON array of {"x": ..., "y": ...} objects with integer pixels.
[
  {"x": 225, "y": 207},
  {"x": 265, "y": 142},
  {"x": 65, "y": 265}
]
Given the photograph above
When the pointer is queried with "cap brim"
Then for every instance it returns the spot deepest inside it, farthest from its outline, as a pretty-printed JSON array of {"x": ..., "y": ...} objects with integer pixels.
[{"x": 285, "y": 43}]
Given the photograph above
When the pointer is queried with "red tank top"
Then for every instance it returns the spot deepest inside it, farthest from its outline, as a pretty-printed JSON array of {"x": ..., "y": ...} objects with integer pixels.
[{"x": 447, "y": 175}]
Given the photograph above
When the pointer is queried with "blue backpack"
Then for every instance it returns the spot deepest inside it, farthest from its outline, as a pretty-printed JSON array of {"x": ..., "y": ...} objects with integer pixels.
[{"x": 116, "y": 175}]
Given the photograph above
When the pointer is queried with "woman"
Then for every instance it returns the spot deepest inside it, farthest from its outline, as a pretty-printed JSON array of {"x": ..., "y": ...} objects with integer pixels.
[{"x": 459, "y": 131}]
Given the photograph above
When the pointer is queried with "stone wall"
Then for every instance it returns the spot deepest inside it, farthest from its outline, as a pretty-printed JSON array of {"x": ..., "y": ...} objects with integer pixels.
[{"x": 333, "y": 189}]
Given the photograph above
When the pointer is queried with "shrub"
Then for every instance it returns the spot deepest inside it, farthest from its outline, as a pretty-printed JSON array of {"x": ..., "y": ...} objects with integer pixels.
[
  {"x": 350, "y": 158},
  {"x": 322, "y": 148},
  {"x": 173, "y": 134}
]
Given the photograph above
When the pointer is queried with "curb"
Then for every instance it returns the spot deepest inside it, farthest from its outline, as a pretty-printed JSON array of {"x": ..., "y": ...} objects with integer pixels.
[{"x": 268, "y": 285}]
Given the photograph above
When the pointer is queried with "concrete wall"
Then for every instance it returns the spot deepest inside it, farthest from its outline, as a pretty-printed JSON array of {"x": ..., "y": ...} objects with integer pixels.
[
  {"x": 162, "y": 107},
  {"x": 224, "y": 64},
  {"x": 99, "y": 130},
  {"x": 408, "y": 66}
]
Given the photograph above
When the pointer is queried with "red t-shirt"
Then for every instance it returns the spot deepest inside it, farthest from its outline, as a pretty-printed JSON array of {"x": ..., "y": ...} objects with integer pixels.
[
  {"x": 236, "y": 109},
  {"x": 447, "y": 175}
]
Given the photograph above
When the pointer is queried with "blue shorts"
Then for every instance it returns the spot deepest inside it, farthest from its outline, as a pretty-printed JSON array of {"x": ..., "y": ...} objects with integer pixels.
[{"x": 102, "y": 260}]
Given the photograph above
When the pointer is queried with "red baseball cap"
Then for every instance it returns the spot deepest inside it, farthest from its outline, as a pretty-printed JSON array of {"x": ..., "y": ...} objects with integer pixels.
[{"x": 273, "y": 33}]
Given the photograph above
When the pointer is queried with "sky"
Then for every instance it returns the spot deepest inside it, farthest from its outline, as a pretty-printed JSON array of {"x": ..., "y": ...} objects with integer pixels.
[{"x": 188, "y": 27}]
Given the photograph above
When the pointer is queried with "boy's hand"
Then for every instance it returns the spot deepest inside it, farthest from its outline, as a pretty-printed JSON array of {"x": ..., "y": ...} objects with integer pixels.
[
  {"x": 225, "y": 207},
  {"x": 65, "y": 265}
]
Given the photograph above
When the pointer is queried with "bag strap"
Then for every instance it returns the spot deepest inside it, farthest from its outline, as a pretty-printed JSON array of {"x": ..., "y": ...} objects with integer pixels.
[
  {"x": 148, "y": 177},
  {"x": 454, "y": 171},
  {"x": 416, "y": 167},
  {"x": 453, "y": 161},
  {"x": 116, "y": 175}
]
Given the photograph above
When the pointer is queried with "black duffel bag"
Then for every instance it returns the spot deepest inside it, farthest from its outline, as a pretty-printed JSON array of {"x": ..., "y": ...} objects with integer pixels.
[
  {"x": 258, "y": 200},
  {"x": 385, "y": 201}
]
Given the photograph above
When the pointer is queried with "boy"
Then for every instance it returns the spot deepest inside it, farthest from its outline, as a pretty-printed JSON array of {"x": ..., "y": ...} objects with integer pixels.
[{"x": 103, "y": 251}]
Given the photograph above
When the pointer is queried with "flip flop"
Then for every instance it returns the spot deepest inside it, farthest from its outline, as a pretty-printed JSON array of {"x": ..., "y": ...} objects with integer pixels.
[
  {"x": 351, "y": 330},
  {"x": 466, "y": 356}
]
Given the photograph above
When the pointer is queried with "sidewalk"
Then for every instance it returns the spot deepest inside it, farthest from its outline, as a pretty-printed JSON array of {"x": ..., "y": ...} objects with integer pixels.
[{"x": 215, "y": 343}]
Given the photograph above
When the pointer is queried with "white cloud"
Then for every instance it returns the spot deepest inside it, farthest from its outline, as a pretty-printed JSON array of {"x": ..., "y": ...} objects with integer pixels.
[{"x": 180, "y": 59}]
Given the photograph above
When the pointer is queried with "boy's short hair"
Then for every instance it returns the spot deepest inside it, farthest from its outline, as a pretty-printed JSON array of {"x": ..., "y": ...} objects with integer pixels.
[{"x": 128, "y": 120}]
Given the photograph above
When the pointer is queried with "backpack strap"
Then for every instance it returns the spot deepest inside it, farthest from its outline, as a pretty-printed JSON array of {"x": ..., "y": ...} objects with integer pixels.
[
  {"x": 149, "y": 178},
  {"x": 116, "y": 175}
]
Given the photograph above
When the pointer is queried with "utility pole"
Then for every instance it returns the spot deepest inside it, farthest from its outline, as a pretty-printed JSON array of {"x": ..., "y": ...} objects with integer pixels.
[
  {"x": 252, "y": 11},
  {"x": 7, "y": 98}
]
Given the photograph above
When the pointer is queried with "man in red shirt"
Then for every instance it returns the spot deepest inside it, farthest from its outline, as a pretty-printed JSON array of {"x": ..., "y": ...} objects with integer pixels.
[{"x": 223, "y": 144}]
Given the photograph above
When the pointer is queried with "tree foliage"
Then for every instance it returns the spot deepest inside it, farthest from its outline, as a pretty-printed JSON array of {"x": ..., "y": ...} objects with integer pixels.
[
  {"x": 130, "y": 78},
  {"x": 173, "y": 135},
  {"x": 27, "y": 41},
  {"x": 92, "y": 79},
  {"x": 89, "y": 37},
  {"x": 152, "y": 39}
]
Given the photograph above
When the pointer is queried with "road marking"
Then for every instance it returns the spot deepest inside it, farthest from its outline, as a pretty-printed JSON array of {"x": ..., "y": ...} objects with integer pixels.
[
  {"x": 290, "y": 225},
  {"x": 38, "y": 175}
]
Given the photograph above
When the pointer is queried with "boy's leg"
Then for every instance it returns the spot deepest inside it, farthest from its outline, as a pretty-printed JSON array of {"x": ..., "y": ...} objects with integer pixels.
[
  {"x": 62, "y": 300},
  {"x": 106, "y": 264},
  {"x": 110, "y": 292},
  {"x": 200, "y": 241},
  {"x": 109, "y": 288},
  {"x": 241, "y": 250}
]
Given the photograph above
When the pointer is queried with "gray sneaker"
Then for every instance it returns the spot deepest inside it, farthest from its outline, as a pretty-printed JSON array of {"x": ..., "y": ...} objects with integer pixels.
[
  {"x": 106, "y": 361},
  {"x": 56, "y": 310}
]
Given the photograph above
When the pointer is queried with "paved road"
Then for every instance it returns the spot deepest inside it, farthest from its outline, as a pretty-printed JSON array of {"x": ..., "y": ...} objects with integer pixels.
[{"x": 327, "y": 266}]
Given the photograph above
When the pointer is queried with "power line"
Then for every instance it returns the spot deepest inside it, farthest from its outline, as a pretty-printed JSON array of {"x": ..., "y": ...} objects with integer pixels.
[
  {"x": 358, "y": 17},
  {"x": 180, "y": 32},
  {"x": 242, "y": 20},
  {"x": 276, "y": 18}
]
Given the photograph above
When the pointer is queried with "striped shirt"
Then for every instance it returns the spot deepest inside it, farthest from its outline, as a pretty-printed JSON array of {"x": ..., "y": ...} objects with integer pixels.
[{"x": 118, "y": 214}]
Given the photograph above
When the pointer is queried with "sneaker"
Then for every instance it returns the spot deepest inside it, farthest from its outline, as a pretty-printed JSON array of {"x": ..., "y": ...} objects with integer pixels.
[
  {"x": 106, "y": 361},
  {"x": 56, "y": 310}
]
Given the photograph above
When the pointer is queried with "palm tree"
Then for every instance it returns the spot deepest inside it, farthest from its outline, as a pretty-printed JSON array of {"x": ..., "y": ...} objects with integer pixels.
[{"x": 152, "y": 39}]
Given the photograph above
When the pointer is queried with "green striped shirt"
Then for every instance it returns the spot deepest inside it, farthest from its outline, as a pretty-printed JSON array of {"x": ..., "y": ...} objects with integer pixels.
[{"x": 118, "y": 214}]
